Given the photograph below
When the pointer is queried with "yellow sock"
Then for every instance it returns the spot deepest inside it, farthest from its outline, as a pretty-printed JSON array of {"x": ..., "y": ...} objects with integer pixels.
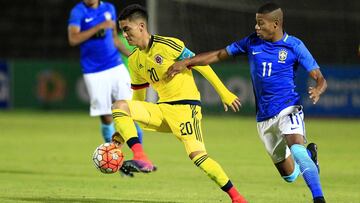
[
  {"x": 211, "y": 168},
  {"x": 124, "y": 124}
]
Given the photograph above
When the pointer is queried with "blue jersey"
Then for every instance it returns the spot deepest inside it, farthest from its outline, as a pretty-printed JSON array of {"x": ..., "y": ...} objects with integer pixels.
[
  {"x": 99, "y": 52},
  {"x": 272, "y": 67}
]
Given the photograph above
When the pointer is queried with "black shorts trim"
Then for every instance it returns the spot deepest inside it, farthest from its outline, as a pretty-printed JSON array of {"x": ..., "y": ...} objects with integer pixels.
[{"x": 183, "y": 102}]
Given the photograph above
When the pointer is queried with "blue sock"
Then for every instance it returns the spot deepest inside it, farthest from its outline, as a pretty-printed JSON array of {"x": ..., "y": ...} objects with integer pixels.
[
  {"x": 308, "y": 169},
  {"x": 107, "y": 131},
  {"x": 292, "y": 177},
  {"x": 139, "y": 132}
]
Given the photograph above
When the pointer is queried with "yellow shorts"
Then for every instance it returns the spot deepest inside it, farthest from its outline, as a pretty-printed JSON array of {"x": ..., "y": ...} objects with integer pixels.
[{"x": 184, "y": 121}]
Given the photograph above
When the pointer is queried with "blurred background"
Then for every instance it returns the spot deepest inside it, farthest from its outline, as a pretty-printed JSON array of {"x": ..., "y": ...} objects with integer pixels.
[{"x": 39, "y": 70}]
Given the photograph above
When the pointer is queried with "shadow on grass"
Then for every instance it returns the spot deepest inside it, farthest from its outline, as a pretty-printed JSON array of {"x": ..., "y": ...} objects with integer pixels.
[
  {"x": 19, "y": 172},
  {"x": 80, "y": 200},
  {"x": 25, "y": 172}
]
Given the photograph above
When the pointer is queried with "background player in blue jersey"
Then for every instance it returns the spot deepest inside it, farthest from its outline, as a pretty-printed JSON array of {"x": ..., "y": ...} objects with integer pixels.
[
  {"x": 274, "y": 57},
  {"x": 92, "y": 26}
]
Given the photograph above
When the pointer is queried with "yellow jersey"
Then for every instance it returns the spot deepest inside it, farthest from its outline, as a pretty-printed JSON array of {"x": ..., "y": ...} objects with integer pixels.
[{"x": 150, "y": 66}]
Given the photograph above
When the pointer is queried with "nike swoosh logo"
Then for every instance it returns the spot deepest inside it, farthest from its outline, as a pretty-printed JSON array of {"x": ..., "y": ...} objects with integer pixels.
[
  {"x": 294, "y": 128},
  {"x": 87, "y": 20},
  {"x": 304, "y": 171},
  {"x": 256, "y": 52}
]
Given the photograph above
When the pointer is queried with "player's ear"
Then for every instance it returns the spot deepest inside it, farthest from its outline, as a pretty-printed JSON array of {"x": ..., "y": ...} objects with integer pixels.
[
  {"x": 276, "y": 23},
  {"x": 142, "y": 26}
]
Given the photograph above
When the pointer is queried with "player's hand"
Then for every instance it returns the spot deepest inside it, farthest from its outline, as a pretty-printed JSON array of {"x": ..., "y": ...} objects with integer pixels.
[
  {"x": 175, "y": 68},
  {"x": 230, "y": 99},
  {"x": 314, "y": 94},
  {"x": 107, "y": 24},
  {"x": 235, "y": 105}
]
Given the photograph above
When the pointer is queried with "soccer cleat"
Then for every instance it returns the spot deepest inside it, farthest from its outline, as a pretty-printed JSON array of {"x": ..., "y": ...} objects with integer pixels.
[
  {"x": 319, "y": 200},
  {"x": 312, "y": 147},
  {"x": 125, "y": 172},
  {"x": 138, "y": 166}
]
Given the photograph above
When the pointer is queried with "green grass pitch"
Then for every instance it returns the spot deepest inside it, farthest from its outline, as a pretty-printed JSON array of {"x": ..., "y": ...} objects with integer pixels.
[{"x": 46, "y": 157}]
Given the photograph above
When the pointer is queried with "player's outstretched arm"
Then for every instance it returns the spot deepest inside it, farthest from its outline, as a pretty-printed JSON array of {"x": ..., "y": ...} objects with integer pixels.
[
  {"x": 228, "y": 98},
  {"x": 321, "y": 85},
  {"x": 202, "y": 59},
  {"x": 119, "y": 45},
  {"x": 76, "y": 37}
]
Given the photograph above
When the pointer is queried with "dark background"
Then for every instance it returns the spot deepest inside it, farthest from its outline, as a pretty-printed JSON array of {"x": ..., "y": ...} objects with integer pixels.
[
  {"x": 38, "y": 28},
  {"x": 330, "y": 29}
]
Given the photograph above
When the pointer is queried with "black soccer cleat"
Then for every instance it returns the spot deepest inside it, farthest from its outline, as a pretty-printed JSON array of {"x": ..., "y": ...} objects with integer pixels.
[
  {"x": 312, "y": 147},
  {"x": 130, "y": 167},
  {"x": 319, "y": 200},
  {"x": 125, "y": 171},
  {"x": 139, "y": 166}
]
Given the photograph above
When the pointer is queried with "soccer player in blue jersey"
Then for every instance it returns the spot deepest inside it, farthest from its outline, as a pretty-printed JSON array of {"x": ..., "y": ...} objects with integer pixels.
[
  {"x": 92, "y": 26},
  {"x": 274, "y": 57}
]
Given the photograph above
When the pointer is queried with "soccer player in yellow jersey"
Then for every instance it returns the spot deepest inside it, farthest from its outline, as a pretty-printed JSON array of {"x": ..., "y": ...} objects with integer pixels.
[{"x": 178, "y": 109}]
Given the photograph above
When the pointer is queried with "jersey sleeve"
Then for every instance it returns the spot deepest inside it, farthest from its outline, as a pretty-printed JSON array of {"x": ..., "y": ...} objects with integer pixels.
[
  {"x": 75, "y": 17},
  {"x": 304, "y": 57},
  {"x": 113, "y": 12},
  {"x": 226, "y": 96},
  {"x": 137, "y": 81},
  {"x": 239, "y": 47}
]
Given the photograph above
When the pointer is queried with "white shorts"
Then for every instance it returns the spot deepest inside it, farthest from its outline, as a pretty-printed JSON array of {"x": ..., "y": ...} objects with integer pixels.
[
  {"x": 289, "y": 121},
  {"x": 107, "y": 86}
]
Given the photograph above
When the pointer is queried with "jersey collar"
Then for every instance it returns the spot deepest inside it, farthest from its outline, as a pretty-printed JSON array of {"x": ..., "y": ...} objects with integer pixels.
[
  {"x": 100, "y": 3},
  {"x": 151, "y": 41},
  {"x": 285, "y": 37}
]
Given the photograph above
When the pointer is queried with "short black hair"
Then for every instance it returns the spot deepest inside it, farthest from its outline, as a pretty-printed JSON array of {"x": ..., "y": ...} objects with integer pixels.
[
  {"x": 133, "y": 11},
  {"x": 268, "y": 8}
]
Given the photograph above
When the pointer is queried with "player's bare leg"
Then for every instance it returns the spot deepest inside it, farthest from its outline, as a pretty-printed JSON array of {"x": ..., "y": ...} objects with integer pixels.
[{"x": 286, "y": 168}]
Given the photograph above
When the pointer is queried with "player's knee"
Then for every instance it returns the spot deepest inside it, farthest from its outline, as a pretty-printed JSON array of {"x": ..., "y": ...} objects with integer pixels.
[{"x": 121, "y": 105}]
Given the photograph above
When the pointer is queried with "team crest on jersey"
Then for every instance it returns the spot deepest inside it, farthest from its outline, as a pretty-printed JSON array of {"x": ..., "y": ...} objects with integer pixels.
[
  {"x": 158, "y": 59},
  {"x": 282, "y": 55}
]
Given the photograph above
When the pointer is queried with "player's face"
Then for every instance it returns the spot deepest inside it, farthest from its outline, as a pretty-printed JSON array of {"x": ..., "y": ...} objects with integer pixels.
[
  {"x": 265, "y": 27},
  {"x": 132, "y": 31}
]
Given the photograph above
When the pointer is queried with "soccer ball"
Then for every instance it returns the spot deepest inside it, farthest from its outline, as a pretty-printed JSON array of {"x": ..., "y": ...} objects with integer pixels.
[{"x": 108, "y": 158}]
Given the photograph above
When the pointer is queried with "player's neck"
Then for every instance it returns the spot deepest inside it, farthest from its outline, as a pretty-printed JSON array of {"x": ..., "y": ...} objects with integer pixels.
[
  {"x": 277, "y": 36},
  {"x": 145, "y": 45},
  {"x": 94, "y": 6}
]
